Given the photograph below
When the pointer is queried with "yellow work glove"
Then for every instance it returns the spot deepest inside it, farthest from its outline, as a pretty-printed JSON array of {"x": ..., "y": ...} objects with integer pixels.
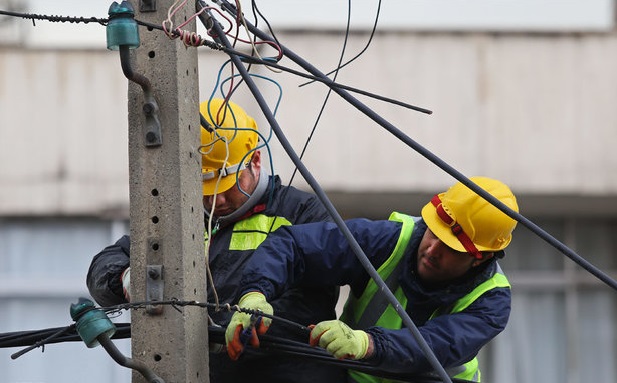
[
  {"x": 244, "y": 328},
  {"x": 340, "y": 340}
]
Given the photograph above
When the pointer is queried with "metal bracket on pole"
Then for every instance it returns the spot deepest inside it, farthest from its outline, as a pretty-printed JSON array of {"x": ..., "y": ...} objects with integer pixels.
[
  {"x": 154, "y": 288},
  {"x": 153, "y": 124},
  {"x": 150, "y": 108}
]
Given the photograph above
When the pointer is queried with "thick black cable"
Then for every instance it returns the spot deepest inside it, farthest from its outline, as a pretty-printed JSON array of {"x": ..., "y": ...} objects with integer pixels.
[
  {"x": 42, "y": 337},
  {"x": 432, "y": 359},
  {"x": 252, "y": 59},
  {"x": 444, "y": 166},
  {"x": 269, "y": 346},
  {"x": 215, "y": 46},
  {"x": 325, "y": 80},
  {"x": 272, "y": 345},
  {"x": 441, "y": 164}
]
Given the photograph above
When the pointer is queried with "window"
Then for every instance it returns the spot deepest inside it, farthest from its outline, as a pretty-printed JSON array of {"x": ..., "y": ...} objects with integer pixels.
[
  {"x": 43, "y": 266},
  {"x": 562, "y": 326}
]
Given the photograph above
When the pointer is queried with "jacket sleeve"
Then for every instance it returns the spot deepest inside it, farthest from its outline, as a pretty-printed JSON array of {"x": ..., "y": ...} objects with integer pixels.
[
  {"x": 454, "y": 338},
  {"x": 302, "y": 207},
  {"x": 312, "y": 210},
  {"x": 103, "y": 279},
  {"x": 317, "y": 254}
]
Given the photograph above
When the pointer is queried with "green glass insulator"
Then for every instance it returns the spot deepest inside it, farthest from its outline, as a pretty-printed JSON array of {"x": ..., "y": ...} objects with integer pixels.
[
  {"x": 91, "y": 322},
  {"x": 122, "y": 29}
]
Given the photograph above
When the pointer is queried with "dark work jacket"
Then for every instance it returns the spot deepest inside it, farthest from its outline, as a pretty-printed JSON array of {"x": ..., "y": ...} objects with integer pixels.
[
  {"x": 318, "y": 254},
  {"x": 302, "y": 305}
]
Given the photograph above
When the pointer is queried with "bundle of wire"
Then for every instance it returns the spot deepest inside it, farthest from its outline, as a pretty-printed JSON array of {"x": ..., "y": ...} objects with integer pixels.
[{"x": 269, "y": 345}]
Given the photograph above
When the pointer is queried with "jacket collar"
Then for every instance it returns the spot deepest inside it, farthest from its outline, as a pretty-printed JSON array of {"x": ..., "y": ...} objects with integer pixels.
[{"x": 256, "y": 203}]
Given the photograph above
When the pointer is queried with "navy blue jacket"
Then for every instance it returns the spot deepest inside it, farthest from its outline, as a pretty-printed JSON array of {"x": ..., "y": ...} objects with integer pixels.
[
  {"x": 318, "y": 254},
  {"x": 305, "y": 306}
]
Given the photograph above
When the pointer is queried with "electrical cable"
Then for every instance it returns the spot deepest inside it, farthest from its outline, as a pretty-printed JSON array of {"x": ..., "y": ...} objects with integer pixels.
[
  {"x": 269, "y": 345},
  {"x": 54, "y": 18},
  {"x": 265, "y": 140},
  {"x": 325, "y": 80},
  {"x": 240, "y": 20},
  {"x": 432, "y": 359},
  {"x": 198, "y": 41},
  {"x": 328, "y": 93},
  {"x": 368, "y": 43},
  {"x": 202, "y": 150},
  {"x": 342, "y": 92},
  {"x": 256, "y": 12},
  {"x": 442, "y": 164},
  {"x": 276, "y": 106}
]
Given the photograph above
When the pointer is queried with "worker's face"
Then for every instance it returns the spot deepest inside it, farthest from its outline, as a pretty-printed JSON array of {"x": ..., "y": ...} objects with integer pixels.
[
  {"x": 438, "y": 263},
  {"x": 230, "y": 200}
]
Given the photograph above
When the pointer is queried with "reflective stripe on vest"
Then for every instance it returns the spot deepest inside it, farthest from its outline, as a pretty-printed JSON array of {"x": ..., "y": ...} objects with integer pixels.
[
  {"x": 358, "y": 310},
  {"x": 251, "y": 232},
  {"x": 470, "y": 369},
  {"x": 371, "y": 309}
]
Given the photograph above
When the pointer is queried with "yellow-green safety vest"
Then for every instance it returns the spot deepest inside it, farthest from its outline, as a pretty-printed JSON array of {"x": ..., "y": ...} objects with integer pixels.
[
  {"x": 249, "y": 233},
  {"x": 372, "y": 309}
]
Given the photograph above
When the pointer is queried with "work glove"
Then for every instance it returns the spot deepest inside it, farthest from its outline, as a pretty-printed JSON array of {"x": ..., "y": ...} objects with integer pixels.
[
  {"x": 125, "y": 277},
  {"x": 244, "y": 328},
  {"x": 339, "y": 339}
]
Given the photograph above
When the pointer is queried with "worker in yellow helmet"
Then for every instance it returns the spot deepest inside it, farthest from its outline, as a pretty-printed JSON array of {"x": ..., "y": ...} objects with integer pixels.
[
  {"x": 442, "y": 268},
  {"x": 229, "y": 147},
  {"x": 242, "y": 206}
]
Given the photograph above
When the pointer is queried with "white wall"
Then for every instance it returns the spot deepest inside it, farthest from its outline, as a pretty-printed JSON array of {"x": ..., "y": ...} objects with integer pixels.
[{"x": 535, "y": 111}]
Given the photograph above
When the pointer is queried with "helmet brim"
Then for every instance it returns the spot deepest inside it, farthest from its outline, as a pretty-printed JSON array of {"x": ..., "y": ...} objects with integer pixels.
[
  {"x": 210, "y": 186},
  {"x": 444, "y": 231},
  {"x": 440, "y": 228}
]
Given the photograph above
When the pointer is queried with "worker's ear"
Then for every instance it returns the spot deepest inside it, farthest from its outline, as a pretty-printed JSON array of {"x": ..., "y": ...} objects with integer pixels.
[
  {"x": 485, "y": 257},
  {"x": 256, "y": 158},
  {"x": 256, "y": 161}
]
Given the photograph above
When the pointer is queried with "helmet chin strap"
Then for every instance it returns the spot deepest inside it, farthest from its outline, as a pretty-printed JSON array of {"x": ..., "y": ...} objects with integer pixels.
[{"x": 260, "y": 190}]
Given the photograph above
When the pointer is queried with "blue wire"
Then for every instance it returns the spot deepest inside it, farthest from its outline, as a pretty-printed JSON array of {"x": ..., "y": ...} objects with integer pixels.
[{"x": 263, "y": 138}]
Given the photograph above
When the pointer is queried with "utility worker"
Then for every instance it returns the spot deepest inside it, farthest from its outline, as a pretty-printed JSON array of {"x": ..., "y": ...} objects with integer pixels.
[
  {"x": 242, "y": 205},
  {"x": 442, "y": 267}
]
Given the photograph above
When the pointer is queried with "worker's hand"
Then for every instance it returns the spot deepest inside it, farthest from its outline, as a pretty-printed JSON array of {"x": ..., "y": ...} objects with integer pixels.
[
  {"x": 125, "y": 277},
  {"x": 244, "y": 328},
  {"x": 340, "y": 340}
]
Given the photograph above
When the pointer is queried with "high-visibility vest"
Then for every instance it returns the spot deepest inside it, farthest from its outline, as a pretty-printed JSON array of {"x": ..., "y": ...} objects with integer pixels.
[
  {"x": 250, "y": 232},
  {"x": 372, "y": 309}
]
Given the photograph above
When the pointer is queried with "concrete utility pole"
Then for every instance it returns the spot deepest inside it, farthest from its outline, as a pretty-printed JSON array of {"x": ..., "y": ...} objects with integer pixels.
[{"x": 167, "y": 242}]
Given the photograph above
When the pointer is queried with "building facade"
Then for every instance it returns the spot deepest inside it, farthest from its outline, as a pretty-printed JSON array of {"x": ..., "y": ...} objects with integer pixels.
[{"x": 534, "y": 109}]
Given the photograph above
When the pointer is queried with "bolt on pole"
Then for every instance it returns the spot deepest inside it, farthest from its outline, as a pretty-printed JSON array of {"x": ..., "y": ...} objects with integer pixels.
[{"x": 166, "y": 211}]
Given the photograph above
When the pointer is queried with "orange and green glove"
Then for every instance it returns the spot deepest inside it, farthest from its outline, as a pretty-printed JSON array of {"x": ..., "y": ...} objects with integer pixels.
[
  {"x": 244, "y": 328},
  {"x": 340, "y": 340}
]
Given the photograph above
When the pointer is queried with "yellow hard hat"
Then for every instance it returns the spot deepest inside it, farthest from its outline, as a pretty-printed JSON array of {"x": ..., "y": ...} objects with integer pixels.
[
  {"x": 225, "y": 149},
  {"x": 461, "y": 210}
]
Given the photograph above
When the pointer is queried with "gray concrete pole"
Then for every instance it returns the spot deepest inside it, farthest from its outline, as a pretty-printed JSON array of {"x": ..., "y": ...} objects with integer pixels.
[{"x": 166, "y": 213}]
